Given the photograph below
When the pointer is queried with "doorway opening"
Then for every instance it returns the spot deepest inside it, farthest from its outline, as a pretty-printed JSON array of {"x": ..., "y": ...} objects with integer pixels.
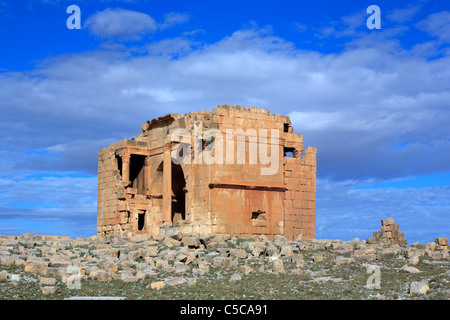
[
  {"x": 137, "y": 173},
  {"x": 141, "y": 221},
  {"x": 178, "y": 194}
]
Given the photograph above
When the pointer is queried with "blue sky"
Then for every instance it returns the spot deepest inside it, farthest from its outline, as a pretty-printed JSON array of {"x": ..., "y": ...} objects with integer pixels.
[{"x": 375, "y": 102}]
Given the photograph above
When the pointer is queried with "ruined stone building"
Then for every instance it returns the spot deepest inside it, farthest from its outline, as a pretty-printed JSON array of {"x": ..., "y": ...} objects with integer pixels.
[{"x": 239, "y": 170}]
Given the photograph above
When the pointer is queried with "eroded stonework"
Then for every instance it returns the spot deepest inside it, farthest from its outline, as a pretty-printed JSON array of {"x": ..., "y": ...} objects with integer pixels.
[{"x": 144, "y": 188}]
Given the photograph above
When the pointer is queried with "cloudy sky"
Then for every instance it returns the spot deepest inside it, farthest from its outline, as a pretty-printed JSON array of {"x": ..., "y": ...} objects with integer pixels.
[{"x": 375, "y": 102}]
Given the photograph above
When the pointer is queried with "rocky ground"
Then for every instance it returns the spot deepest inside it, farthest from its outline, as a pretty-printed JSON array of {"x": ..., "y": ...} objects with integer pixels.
[{"x": 220, "y": 267}]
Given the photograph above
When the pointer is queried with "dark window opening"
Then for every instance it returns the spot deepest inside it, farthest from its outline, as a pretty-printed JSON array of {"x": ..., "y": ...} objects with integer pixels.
[
  {"x": 141, "y": 221},
  {"x": 137, "y": 173},
  {"x": 119, "y": 164},
  {"x": 258, "y": 215},
  {"x": 287, "y": 128},
  {"x": 289, "y": 152}
]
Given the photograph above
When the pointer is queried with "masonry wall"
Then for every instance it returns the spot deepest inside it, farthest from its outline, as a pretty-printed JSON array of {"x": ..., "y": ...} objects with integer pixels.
[
  {"x": 107, "y": 200},
  {"x": 244, "y": 212},
  {"x": 300, "y": 195},
  {"x": 221, "y": 198}
]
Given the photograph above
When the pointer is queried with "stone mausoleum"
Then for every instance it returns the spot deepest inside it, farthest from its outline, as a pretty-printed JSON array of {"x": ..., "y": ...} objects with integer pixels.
[{"x": 233, "y": 169}]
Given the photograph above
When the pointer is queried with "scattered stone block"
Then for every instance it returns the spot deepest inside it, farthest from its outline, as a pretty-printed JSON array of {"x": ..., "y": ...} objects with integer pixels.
[
  {"x": 385, "y": 255},
  {"x": 175, "y": 282},
  {"x": 340, "y": 260},
  {"x": 238, "y": 253},
  {"x": 298, "y": 261},
  {"x": 3, "y": 275},
  {"x": 410, "y": 269},
  {"x": 104, "y": 276},
  {"x": 245, "y": 269},
  {"x": 222, "y": 261},
  {"x": 44, "y": 281},
  {"x": 158, "y": 285},
  {"x": 191, "y": 242},
  {"x": 235, "y": 277},
  {"x": 38, "y": 267},
  {"x": 414, "y": 259},
  {"x": 277, "y": 266},
  {"x": 419, "y": 288},
  {"x": 198, "y": 272},
  {"x": 318, "y": 257},
  {"x": 442, "y": 241},
  {"x": 286, "y": 251},
  {"x": 49, "y": 290}
]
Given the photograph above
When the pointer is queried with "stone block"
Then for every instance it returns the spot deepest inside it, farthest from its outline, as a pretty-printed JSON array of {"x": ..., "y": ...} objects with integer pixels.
[
  {"x": 158, "y": 285},
  {"x": 49, "y": 290},
  {"x": 44, "y": 281},
  {"x": 277, "y": 266},
  {"x": 442, "y": 241},
  {"x": 388, "y": 221},
  {"x": 3, "y": 275},
  {"x": 385, "y": 255},
  {"x": 419, "y": 288}
]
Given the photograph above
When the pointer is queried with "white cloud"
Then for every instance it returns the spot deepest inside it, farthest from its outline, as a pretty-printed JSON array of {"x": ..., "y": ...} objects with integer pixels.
[
  {"x": 54, "y": 190},
  {"x": 357, "y": 107},
  {"x": 125, "y": 24},
  {"x": 120, "y": 23},
  {"x": 354, "y": 106},
  {"x": 403, "y": 15},
  {"x": 175, "y": 46},
  {"x": 437, "y": 25},
  {"x": 174, "y": 18}
]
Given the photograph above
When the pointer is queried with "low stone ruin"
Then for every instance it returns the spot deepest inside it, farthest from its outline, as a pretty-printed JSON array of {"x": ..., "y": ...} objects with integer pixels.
[{"x": 389, "y": 234}]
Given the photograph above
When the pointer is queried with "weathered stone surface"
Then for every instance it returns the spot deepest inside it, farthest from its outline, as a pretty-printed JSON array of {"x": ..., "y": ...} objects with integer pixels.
[
  {"x": 442, "y": 241},
  {"x": 238, "y": 253},
  {"x": 227, "y": 253},
  {"x": 410, "y": 269},
  {"x": 157, "y": 285},
  {"x": 389, "y": 234},
  {"x": 245, "y": 269},
  {"x": 104, "y": 276},
  {"x": 236, "y": 277},
  {"x": 128, "y": 276},
  {"x": 298, "y": 260},
  {"x": 387, "y": 222},
  {"x": 44, "y": 281},
  {"x": 175, "y": 282},
  {"x": 419, "y": 287},
  {"x": 134, "y": 172},
  {"x": 414, "y": 259},
  {"x": 38, "y": 266},
  {"x": 222, "y": 262},
  {"x": 340, "y": 260},
  {"x": 318, "y": 257},
  {"x": 192, "y": 242},
  {"x": 277, "y": 266},
  {"x": 385, "y": 255},
  {"x": 3, "y": 275},
  {"x": 49, "y": 290}
]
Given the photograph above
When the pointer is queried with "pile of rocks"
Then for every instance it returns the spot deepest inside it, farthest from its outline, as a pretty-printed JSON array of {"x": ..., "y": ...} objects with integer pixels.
[
  {"x": 389, "y": 234},
  {"x": 130, "y": 260}
]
